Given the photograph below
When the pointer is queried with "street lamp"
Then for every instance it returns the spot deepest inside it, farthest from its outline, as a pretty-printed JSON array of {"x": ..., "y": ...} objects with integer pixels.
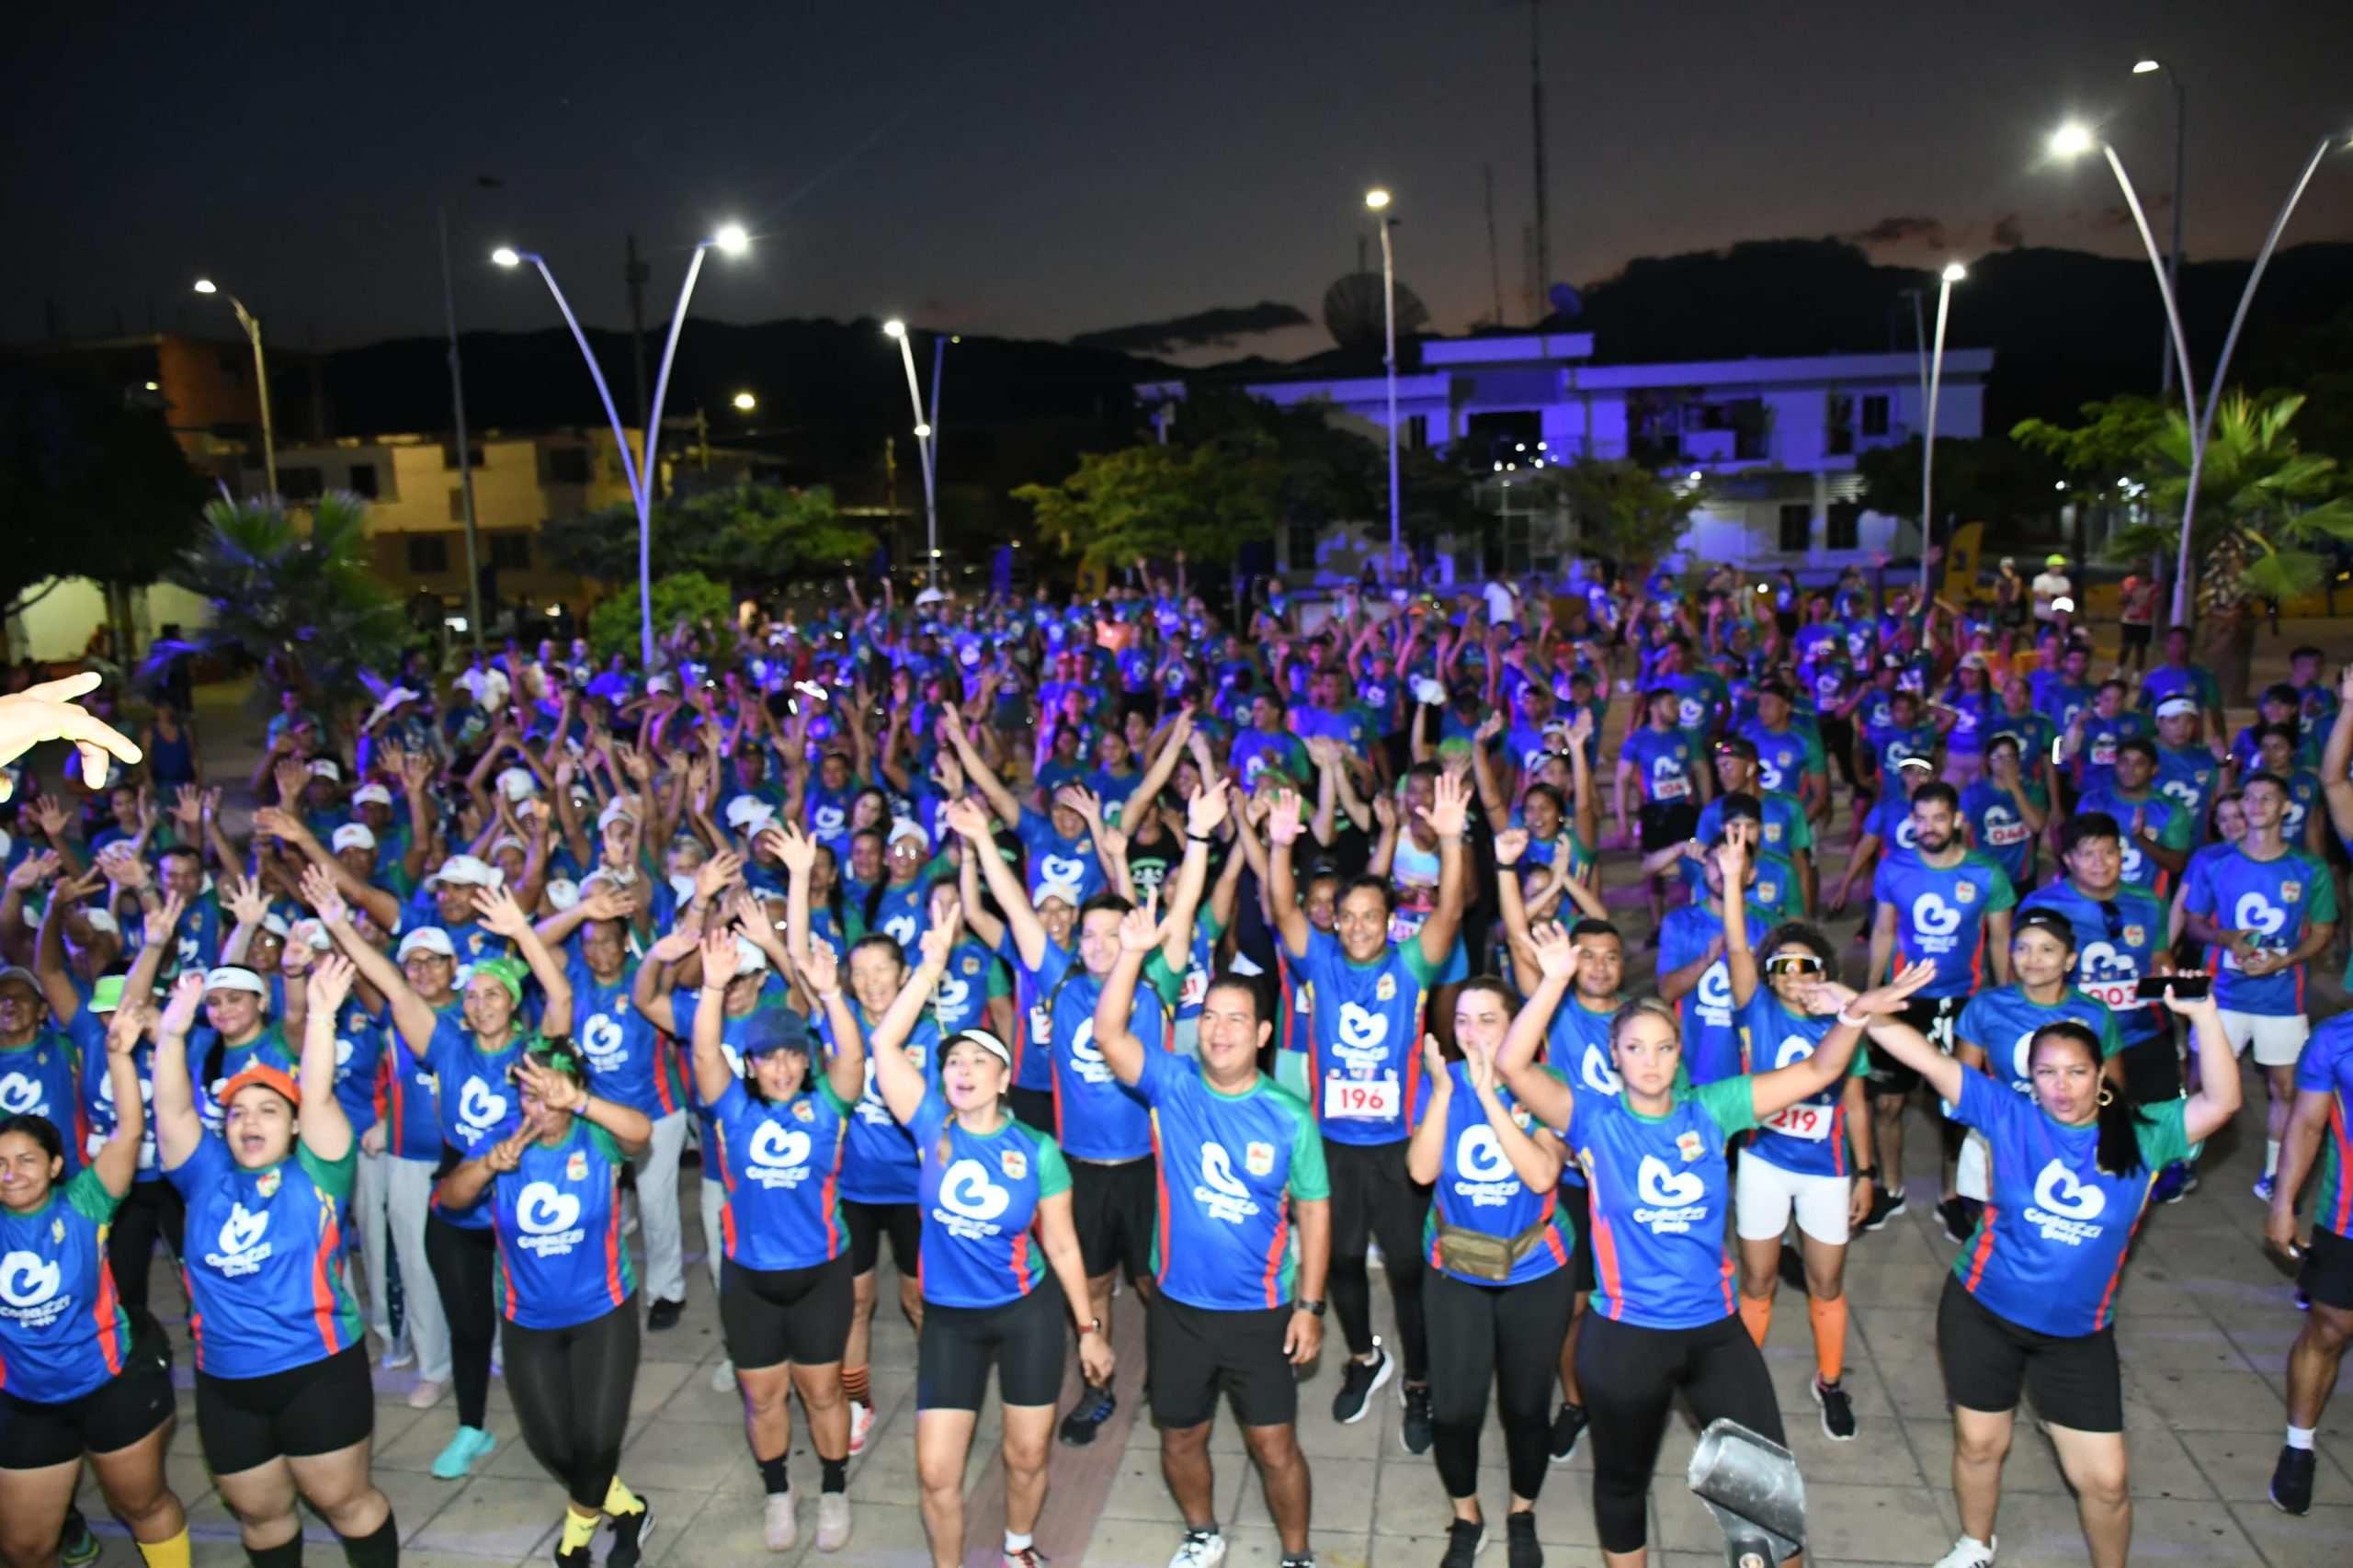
[
  {"x": 252, "y": 324},
  {"x": 896, "y": 330},
  {"x": 2173, "y": 261},
  {"x": 1953, "y": 273},
  {"x": 639, "y": 471},
  {"x": 744, "y": 403},
  {"x": 1377, "y": 199},
  {"x": 2073, "y": 140}
]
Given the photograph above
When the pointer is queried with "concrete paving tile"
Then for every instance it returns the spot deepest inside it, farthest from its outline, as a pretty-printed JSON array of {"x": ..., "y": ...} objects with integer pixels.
[
  {"x": 2041, "y": 1530},
  {"x": 1344, "y": 1491},
  {"x": 1846, "y": 1523},
  {"x": 508, "y": 1520},
  {"x": 2238, "y": 1465},
  {"x": 2211, "y": 1401},
  {"x": 2033, "y": 1466},
  {"x": 2322, "y": 1539}
]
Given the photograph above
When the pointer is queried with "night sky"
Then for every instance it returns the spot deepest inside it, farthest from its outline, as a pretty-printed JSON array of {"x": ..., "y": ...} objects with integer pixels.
[{"x": 1048, "y": 169}]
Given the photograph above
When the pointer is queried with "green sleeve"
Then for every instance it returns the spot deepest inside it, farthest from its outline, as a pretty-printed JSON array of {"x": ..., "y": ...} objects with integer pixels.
[
  {"x": 2175, "y": 834},
  {"x": 1053, "y": 1175},
  {"x": 1417, "y": 963},
  {"x": 2001, "y": 895},
  {"x": 2320, "y": 889},
  {"x": 91, "y": 1200},
  {"x": 1166, "y": 983},
  {"x": 2162, "y": 1135},
  {"x": 1000, "y": 981},
  {"x": 1800, "y": 832},
  {"x": 1860, "y": 1067},
  {"x": 334, "y": 1178},
  {"x": 1732, "y": 1102},
  {"x": 1817, "y": 760},
  {"x": 1208, "y": 925},
  {"x": 1308, "y": 1179},
  {"x": 826, "y": 1092},
  {"x": 2111, "y": 1040},
  {"x": 606, "y": 1145}
]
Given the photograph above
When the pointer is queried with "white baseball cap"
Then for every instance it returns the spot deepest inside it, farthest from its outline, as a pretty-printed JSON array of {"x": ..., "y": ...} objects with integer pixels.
[
  {"x": 749, "y": 813},
  {"x": 1066, "y": 891},
  {"x": 2177, "y": 708},
  {"x": 353, "y": 835},
  {"x": 564, "y": 892},
  {"x": 518, "y": 783},
  {"x": 426, "y": 940},
  {"x": 375, "y": 793},
  {"x": 326, "y": 767},
  {"x": 749, "y": 959},
  {"x": 616, "y": 810},
  {"x": 466, "y": 871},
  {"x": 235, "y": 977}
]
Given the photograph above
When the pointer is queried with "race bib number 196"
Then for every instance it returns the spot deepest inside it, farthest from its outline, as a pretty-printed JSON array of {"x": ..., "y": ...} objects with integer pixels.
[{"x": 1369, "y": 1100}]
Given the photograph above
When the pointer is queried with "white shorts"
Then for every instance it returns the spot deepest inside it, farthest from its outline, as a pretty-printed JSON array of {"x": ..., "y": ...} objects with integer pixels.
[
  {"x": 1974, "y": 1168},
  {"x": 1764, "y": 1195},
  {"x": 2278, "y": 1042}
]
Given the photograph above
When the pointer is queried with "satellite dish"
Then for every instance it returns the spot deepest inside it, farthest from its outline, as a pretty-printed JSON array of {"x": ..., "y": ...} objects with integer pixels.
[
  {"x": 1566, "y": 301},
  {"x": 1355, "y": 312}
]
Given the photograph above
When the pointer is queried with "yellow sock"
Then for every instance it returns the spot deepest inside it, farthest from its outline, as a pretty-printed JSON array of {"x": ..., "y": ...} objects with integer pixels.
[
  {"x": 1758, "y": 1316},
  {"x": 172, "y": 1554},
  {"x": 620, "y": 1499},
  {"x": 577, "y": 1532}
]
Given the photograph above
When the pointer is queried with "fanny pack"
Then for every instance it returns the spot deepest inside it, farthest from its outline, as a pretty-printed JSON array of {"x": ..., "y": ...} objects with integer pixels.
[{"x": 1476, "y": 1255}]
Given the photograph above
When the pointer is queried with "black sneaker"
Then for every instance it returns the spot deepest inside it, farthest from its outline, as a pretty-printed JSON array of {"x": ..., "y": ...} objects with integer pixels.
[
  {"x": 1520, "y": 1540},
  {"x": 1086, "y": 1417},
  {"x": 663, "y": 1314},
  {"x": 1568, "y": 1431},
  {"x": 576, "y": 1558},
  {"x": 2291, "y": 1481},
  {"x": 1358, "y": 1383},
  {"x": 76, "y": 1545},
  {"x": 1837, "y": 1411},
  {"x": 629, "y": 1532},
  {"x": 1957, "y": 1217},
  {"x": 1415, "y": 1430},
  {"x": 1465, "y": 1539},
  {"x": 1885, "y": 1206}
]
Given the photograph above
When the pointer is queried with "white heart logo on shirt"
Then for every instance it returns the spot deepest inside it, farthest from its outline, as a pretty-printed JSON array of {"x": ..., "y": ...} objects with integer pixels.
[
  {"x": 478, "y": 1109},
  {"x": 21, "y": 1095},
  {"x": 965, "y": 1189},
  {"x": 600, "y": 1035},
  {"x": 1600, "y": 1075},
  {"x": 1480, "y": 1157},
  {"x": 779, "y": 1148},
  {"x": 1217, "y": 1172},
  {"x": 543, "y": 1209},
  {"x": 2057, "y": 1190},
  {"x": 27, "y": 1279},
  {"x": 1054, "y": 869},
  {"x": 1361, "y": 1030},
  {"x": 241, "y": 1232},
  {"x": 1665, "y": 1188}
]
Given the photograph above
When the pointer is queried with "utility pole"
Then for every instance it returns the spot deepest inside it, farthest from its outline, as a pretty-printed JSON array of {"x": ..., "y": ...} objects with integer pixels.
[
  {"x": 465, "y": 453},
  {"x": 1494, "y": 266},
  {"x": 634, "y": 273},
  {"x": 1536, "y": 121}
]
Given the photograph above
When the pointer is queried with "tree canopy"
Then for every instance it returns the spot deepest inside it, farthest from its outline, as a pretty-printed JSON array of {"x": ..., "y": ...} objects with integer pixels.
[
  {"x": 752, "y": 536},
  {"x": 1624, "y": 511}
]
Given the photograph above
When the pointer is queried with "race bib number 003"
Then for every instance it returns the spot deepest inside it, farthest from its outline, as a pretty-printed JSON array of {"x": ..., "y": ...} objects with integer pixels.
[
  {"x": 1811, "y": 1122},
  {"x": 1366, "y": 1099}
]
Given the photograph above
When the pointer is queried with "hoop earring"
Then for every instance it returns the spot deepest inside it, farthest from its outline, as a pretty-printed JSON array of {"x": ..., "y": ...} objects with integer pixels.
[{"x": 2107, "y": 1096}]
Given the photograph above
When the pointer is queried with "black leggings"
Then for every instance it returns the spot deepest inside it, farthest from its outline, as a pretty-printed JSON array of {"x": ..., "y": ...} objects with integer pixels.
[
  {"x": 572, "y": 1388},
  {"x": 154, "y": 1209},
  {"x": 1507, "y": 1336},
  {"x": 465, "y": 1267},
  {"x": 1631, "y": 1376},
  {"x": 1373, "y": 1198}
]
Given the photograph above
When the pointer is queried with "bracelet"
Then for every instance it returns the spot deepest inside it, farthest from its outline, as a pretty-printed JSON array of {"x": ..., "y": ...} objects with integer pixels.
[
  {"x": 1192, "y": 837},
  {"x": 1862, "y": 1023}
]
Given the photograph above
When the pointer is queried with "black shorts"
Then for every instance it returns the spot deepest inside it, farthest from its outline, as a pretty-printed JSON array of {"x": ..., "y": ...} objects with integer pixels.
[
  {"x": 1668, "y": 822},
  {"x": 1581, "y": 1270},
  {"x": 870, "y": 1222},
  {"x": 1987, "y": 1359},
  {"x": 771, "y": 1316},
  {"x": 1113, "y": 1208},
  {"x": 1933, "y": 1016},
  {"x": 2134, "y": 633},
  {"x": 1026, "y": 1340},
  {"x": 2328, "y": 1277},
  {"x": 320, "y": 1407},
  {"x": 118, "y": 1413},
  {"x": 1195, "y": 1352}
]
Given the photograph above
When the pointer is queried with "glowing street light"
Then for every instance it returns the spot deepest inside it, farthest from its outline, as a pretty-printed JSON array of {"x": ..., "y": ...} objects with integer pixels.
[
  {"x": 896, "y": 330},
  {"x": 895, "y": 327},
  {"x": 2072, "y": 140},
  {"x": 1377, "y": 199},
  {"x": 251, "y": 325},
  {"x": 2180, "y": 148},
  {"x": 745, "y": 402},
  {"x": 638, "y": 469},
  {"x": 1953, "y": 273}
]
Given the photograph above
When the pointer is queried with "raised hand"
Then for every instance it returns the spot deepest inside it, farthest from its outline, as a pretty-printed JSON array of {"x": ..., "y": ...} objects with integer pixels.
[
  {"x": 155, "y": 926},
  {"x": 1206, "y": 812},
  {"x": 507, "y": 1153},
  {"x": 1384, "y": 811},
  {"x": 47, "y": 711},
  {"x": 937, "y": 942},
  {"x": 822, "y": 970},
  {"x": 330, "y": 983},
  {"x": 721, "y": 870},
  {"x": 1887, "y": 1000},
  {"x": 1450, "y": 806},
  {"x": 672, "y": 946},
  {"x": 1433, "y": 1073},
  {"x": 499, "y": 911},
  {"x": 719, "y": 956},
  {"x": 127, "y": 1026},
  {"x": 188, "y": 810},
  {"x": 243, "y": 897},
  {"x": 33, "y": 870},
  {"x": 2192, "y": 1007},
  {"x": 1083, "y": 800},
  {"x": 319, "y": 890},
  {"x": 1140, "y": 927},
  {"x": 967, "y": 821},
  {"x": 188, "y": 994},
  {"x": 1556, "y": 955},
  {"x": 1511, "y": 845},
  {"x": 1732, "y": 857},
  {"x": 1489, "y": 728},
  {"x": 1282, "y": 818},
  {"x": 605, "y": 902}
]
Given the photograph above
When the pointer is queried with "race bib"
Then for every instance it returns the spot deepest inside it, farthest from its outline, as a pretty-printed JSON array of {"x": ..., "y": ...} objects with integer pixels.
[
  {"x": 1670, "y": 789},
  {"x": 1362, "y": 1100},
  {"x": 1804, "y": 1119}
]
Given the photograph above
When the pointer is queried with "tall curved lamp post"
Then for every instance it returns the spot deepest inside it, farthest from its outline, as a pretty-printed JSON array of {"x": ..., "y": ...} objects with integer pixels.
[
  {"x": 1377, "y": 199},
  {"x": 251, "y": 325},
  {"x": 896, "y": 330},
  {"x": 637, "y": 471},
  {"x": 1953, "y": 273}
]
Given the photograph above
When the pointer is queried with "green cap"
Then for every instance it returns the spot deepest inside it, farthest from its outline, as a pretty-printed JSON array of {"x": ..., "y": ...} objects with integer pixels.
[
  {"x": 509, "y": 973},
  {"x": 106, "y": 995}
]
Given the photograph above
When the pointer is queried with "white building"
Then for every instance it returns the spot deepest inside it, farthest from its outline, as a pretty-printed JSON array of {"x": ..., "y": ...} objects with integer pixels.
[{"x": 1772, "y": 443}]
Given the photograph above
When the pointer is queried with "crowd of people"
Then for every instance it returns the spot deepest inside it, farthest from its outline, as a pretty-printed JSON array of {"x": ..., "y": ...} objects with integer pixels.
[{"x": 1096, "y": 957}]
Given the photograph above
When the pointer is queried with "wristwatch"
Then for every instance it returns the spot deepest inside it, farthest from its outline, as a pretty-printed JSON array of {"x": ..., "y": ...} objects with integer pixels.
[
  {"x": 1093, "y": 1325},
  {"x": 1868, "y": 1174},
  {"x": 1308, "y": 1306}
]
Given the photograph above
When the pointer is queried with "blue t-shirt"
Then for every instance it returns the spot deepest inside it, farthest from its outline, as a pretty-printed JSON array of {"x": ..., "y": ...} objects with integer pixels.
[
  {"x": 1478, "y": 1189},
  {"x": 1711, "y": 1042},
  {"x": 1809, "y": 1137},
  {"x": 478, "y": 1105},
  {"x": 41, "y": 1077},
  {"x": 1364, "y": 1066},
  {"x": 2003, "y": 1022},
  {"x": 263, "y": 1246},
  {"x": 62, "y": 1331},
  {"x": 781, "y": 1163},
  {"x": 2117, "y": 942},
  {"x": 1940, "y": 915},
  {"x": 980, "y": 1194},
  {"x": 2280, "y": 900},
  {"x": 1033, "y": 1066},
  {"x": 558, "y": 1215},
  {"x": 1661, "y": 1190},
  {"x": 1054, "y": 858},
  {"x": 620, "y": 1048},
  {"x": 1095, "y": 1116},
  {"x": 880, "y": 1166},
  {"x": 2327, "y": 1068},
  {"x": 1228, "y": 1166},
  {"x": 1662, "y": 762},
  {"x": 2049, "y": 1251},
  {"x": 1998, "y": 828}
]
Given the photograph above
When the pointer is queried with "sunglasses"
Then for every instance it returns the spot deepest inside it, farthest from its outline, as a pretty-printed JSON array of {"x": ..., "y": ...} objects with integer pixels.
[{"x": 1793, "y": 963}]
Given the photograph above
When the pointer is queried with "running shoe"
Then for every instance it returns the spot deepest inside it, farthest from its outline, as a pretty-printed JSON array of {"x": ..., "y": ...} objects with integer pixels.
[
  {"x": 1028, "y": 1557},
  {"x": 471, "y": 1444},
  {"x": 2291, "y": 1481},
  {"x": 2263, "y": 1190},
  {"x": 663, "y": 1314},
  {"x": 862, "y": 1422},
  {"x": 1568, "y": 1431},
  {"x": 576, "y": 1558},
  {"x": 1959, "y": 1217},
  {"x": 779, "y": 1523},
  {"x": 1465, "y": 1539},
  {"x": 1086, "y": 1417},
  {"x": 1520, "y": 1540},
  {"x": 832, "y": 1520},
  {"x": 76, "y": 1545},
  {"x": 397, "y": 1356},
  {"x": 1837, "y": 1411},
  {"x": 723, "y": 1377},
  {"x": 2175, "y": 1182},
  {"x": 630, "y": 1533},
  {"x": 1359, "y": 1382},
  {"x": 1413, "y": 1431},
  {"x": 426, "y": 1394},
  {"x": 1968, "y": 1553},
  {"x": 1200, "y": 1549},
  {"x": 1885, "y": 1206}
]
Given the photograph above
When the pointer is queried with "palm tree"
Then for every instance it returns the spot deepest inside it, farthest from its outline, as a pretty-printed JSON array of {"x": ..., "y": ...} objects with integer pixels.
[{"x": 300, "y": 604}]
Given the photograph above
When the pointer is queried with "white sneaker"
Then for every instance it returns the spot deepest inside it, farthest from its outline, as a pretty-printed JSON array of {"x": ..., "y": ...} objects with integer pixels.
[
  {"x": 832, "y": 1520},
  {"x": 862, "y": 1422},
  {"x": 723, "y": 1377},
  {"x": 779, "y": 1527},
  {"x": 1968, "y": 1553},
  {"x": 1200, "y": 1548},
  {"x": 426, "y": 1394},
  {"x": 398, "y": 1356}
]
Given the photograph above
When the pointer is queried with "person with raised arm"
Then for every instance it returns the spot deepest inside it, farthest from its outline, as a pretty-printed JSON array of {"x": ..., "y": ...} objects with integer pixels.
[
  {"x": 997, "y": 1218},
  {"x": 1364, "y": 1075},
  {"x": 80, "y": 1371},
  {"x": 1036, "y": 938},
  {"x": 1231, "y": 1313},
  {"x": 2031, "y": 1299},
  {"x": 1665, "y": 1319},
  {"x": 283, "y": 1404}
]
